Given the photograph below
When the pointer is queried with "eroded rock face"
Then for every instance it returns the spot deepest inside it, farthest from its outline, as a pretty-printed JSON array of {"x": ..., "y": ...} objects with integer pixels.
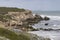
[
  {"x": 22, "y": 20},
  {"x": 21, "y": 15},
  {"x": 26, "y": 19},
  {"x": 18, "y": 17}
]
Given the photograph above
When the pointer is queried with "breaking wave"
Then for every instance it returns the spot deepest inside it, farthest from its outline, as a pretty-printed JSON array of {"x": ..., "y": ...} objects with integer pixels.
[{"x": 52, "y": 17}]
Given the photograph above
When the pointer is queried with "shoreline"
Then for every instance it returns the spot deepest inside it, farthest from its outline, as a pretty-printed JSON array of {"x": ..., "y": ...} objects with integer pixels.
[
  {"x": 22, "y": 20},
  {"x": 39, "y": 37}
]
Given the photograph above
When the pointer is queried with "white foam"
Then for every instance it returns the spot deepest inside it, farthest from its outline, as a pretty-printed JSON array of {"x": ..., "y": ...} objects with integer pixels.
[
  {"x": 54, "y": 25},
  {"x": 33, "y": 14},
  {"x": 48, "y": 34},
  {"x": 52, "y": 17}
]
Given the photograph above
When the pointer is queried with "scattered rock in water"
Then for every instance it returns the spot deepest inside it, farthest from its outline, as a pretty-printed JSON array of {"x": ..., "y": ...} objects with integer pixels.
[
  {"x": 38, "y": 17},
  {"x": 41, "y": 28},
  {"x": 46, "y": 24},
  {"x": 46, "y": 29},
  {"x": 34, "y": 30},
  {"x": 46, "y": 18}
]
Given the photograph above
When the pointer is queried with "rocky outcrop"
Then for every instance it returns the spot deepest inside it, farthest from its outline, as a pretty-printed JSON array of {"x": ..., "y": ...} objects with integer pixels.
[
  {"x": 35, "y": 20},
  {"x": 21, "y": 19},
  {"x": 46, "y": 24},
  {"x": 46, "y": 18},
  {"x": 24, "y": 20},
  {"x": 21, "y": 15},
  {"x": 18, "y": 17}
]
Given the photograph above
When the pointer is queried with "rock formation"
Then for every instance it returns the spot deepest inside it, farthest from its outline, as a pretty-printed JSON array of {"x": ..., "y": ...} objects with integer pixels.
[
  {"x": 19, "y": 18},
  {"x": 46, "y": 18}
]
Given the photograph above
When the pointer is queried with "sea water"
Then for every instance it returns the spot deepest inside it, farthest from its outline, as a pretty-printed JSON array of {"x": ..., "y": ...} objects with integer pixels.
[{"x": 53, "y": 23}]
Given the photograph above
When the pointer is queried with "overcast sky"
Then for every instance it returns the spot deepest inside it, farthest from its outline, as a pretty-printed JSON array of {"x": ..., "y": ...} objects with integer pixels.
[{"x": 44, "y": 5}]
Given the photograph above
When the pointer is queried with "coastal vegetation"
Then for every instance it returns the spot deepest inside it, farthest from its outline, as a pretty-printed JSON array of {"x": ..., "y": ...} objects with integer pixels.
[
  {"x": 11, "y": 9},
  {"x": 12, "y": 36}
]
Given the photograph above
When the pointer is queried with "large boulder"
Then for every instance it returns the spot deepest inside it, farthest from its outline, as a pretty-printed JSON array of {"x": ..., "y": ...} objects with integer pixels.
[
  {"x": 34, "y": 20},
  {"x": 46, "y": 18},
  {"x": 38, "y": 17}
]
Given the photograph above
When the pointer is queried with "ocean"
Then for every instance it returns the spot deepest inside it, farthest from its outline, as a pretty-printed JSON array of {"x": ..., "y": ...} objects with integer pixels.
[{"x": 53, "y": 23}]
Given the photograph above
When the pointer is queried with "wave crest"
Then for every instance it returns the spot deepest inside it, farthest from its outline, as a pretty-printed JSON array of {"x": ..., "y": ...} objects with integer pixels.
[{"x": 52, "y": 17}]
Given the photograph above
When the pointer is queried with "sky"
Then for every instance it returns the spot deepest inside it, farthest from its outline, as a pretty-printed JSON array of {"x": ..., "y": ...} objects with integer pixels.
[{"x": 43, "y": 5}]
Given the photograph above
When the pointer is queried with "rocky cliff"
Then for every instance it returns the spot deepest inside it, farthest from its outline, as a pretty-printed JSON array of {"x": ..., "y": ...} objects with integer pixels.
[
  {"x": 14, "y": 16},
  {"x": 19, "y": 21},
  {"x": 19, "y": 18}
]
